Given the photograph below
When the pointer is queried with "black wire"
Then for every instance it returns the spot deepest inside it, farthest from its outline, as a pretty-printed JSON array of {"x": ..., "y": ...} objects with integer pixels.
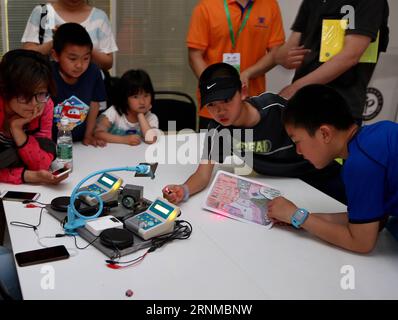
[
  {"x": 34, "y": 201},
  {"x": 82, "y": 248},
  {"x": 182, "y": 231},
  {"x": 28, "y": 225},
  {"x": 114, "y": 261}
]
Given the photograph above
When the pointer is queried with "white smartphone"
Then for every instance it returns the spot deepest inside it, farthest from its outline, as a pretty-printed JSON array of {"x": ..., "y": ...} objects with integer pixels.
[
  {"x": 61, "y": 172},
  {"x": 20, "y": 195}
]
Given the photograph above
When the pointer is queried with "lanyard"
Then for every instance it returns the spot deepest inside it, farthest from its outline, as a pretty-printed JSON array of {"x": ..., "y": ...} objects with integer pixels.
[{"x": 231, "y": 28}]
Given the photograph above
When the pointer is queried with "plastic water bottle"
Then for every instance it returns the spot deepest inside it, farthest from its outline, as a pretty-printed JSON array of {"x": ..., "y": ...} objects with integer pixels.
[{"x": 65, "y": 145}]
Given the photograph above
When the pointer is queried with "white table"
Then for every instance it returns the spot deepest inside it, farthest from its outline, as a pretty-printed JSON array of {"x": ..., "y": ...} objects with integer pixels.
[{"x": 223, "y": 258}]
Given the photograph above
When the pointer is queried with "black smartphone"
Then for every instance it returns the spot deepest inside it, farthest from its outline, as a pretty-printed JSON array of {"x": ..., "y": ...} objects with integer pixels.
[
  {"x": 19, "y": 195},
  {"x": 29, "y": 258}
]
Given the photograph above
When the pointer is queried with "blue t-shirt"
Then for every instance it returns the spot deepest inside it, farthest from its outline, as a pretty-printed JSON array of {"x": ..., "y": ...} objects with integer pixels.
[
  {"x": 370, "y": 173},
  {"x": 73, "y": 101}
]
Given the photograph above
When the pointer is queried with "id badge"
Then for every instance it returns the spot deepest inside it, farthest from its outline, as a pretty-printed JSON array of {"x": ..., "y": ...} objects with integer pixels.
[{"x": 233, "y": 59}]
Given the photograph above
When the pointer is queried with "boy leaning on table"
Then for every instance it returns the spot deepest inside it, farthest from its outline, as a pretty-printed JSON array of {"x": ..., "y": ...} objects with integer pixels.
[
  {"x": 273, "y": 152},
  {"x": 318, "y": 120}
]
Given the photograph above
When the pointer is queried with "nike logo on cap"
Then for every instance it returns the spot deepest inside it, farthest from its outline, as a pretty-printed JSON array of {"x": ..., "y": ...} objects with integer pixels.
[{"x": 211, "y": 86}]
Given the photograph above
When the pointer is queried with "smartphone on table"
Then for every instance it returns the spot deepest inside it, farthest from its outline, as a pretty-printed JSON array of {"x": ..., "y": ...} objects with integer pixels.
[
  {"x": 19, "y": 195},
  {"x": 32, "y": 257},
  {"x": 61, "y": 172}
]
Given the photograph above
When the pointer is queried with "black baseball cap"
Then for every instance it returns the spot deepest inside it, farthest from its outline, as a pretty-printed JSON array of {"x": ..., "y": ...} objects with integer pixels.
[{"x": 219, "y": 81}]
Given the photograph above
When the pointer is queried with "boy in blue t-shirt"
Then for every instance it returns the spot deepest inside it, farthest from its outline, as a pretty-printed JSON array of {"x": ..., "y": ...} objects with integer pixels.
[
  {"x": 80, "y": 87},
  {"x": 318, "y": 120}
]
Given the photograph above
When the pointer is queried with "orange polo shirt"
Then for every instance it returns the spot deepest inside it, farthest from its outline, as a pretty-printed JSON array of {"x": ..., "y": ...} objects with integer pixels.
[{"x": 209, "y": 31}]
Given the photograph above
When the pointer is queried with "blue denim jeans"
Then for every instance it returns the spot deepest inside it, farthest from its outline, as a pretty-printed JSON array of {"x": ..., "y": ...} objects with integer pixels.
[{"x": 8, "y": 275}]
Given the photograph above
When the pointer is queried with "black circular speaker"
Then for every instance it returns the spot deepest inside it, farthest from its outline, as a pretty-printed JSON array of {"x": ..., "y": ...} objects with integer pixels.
[
  {"x": 117, "y": 238},
  {"x": 62, "y": 203}
]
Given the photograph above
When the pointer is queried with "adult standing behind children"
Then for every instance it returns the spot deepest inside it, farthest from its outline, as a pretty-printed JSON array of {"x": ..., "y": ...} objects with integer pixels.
[
  {"x": 93, "y": 19},
  {"x": 344, "y": 71},
  {"x": 319, "y": 121},
  {"x": 130, "y": 120},
  {"x": 243, "y": 33},
  {"x": 79, "y": 83}
]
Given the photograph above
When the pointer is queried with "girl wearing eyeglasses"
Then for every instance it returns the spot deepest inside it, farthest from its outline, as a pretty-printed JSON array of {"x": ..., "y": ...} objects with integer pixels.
[{"x": 26, "y": 116}]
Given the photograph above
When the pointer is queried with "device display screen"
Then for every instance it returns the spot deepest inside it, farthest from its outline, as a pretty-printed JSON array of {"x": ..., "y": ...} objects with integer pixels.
[
  {"x": 28, "y": 258},
  {"x": 300, "y": 215},
  {"x": 161, "y": 209},
  {"x": 107, "y": 180},
  {"x": 19, "y": 195}
]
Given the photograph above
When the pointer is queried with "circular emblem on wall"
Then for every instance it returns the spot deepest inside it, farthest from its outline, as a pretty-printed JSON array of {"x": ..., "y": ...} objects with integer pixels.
[{"x": 374, "y": 104}]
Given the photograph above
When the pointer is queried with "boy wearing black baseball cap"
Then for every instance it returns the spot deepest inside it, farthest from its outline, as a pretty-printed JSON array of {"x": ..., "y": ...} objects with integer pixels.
[{"x": 249, "y": 126}]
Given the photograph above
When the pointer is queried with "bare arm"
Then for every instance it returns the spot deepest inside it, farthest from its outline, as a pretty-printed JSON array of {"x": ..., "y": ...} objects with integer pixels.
[
  {"x": 44, "y": 48},
  {"x": 340, "y": 218},
  {"x": 262, "y": 66},
  {"x": 290, "y": 55},
  {"x": 145, "y": 127},
  {"x": 195, "y": 183},
  {"x": 359, "y": 238},
  {"x": 332, "y": 228},
  {"x": 132, "y": 140},
  {"x": 196, "y": 61},
  {"x": 201, "y": 177},
  {"x": 102, "y": 60},
  {"x": 354, "y": 47},
  {"x": 91, "y": 119},
  {"x": 101, "y": 132}
]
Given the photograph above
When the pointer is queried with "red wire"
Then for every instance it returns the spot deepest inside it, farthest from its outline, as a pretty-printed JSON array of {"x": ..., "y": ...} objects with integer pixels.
[{"x": 118, "y": 266}]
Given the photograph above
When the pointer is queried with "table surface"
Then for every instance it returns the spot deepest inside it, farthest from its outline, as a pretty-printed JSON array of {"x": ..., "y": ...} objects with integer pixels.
[{"x": 223, "y": 258}]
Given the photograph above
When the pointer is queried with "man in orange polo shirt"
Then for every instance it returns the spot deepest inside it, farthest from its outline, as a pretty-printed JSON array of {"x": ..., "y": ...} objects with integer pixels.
[{"x": 243, "y": 33}]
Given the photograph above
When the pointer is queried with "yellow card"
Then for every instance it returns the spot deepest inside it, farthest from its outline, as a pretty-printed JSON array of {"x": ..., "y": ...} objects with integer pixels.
[{"x": 332, "y": 41}]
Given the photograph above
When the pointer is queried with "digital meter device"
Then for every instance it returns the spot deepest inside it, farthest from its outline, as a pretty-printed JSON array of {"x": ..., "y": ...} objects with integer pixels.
[
  {"x": 106, "y": 187},
  {"x": 158, "y": 219}
]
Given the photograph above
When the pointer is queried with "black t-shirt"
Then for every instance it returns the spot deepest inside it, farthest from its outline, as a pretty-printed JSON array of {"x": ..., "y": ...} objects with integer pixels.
[
  {"x": 371, "y": 16},
  {"x": 273, "y": 151}
]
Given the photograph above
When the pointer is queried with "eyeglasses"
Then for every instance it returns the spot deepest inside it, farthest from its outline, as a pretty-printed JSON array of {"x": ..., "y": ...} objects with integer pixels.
[{"x": 40, "y": 97}]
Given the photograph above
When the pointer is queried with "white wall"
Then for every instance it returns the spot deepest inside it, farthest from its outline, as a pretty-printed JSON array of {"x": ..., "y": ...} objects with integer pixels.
[
  {"x": 279, "y": 77},
  {"x": 393, "y": 24}
]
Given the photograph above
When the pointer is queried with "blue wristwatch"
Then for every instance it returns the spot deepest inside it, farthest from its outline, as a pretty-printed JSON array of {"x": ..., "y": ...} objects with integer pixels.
[{"x": 299, "y": 217}]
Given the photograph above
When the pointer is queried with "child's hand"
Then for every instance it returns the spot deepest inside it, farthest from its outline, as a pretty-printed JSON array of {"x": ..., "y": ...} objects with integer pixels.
[
  {"x": 100, "y": 143},
  {"x": 173, "y": 193},
  {"x": 143, "y": 110},
  {"x": 89, "y": 140},
  {"x": 281, "y": 209},
  {"x": 133, "y": 139},
  {"x": 92, "y": 141}
]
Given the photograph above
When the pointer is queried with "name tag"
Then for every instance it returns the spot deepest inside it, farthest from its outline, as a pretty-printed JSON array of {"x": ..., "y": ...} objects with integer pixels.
[{"x": 233, "y": 59}]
